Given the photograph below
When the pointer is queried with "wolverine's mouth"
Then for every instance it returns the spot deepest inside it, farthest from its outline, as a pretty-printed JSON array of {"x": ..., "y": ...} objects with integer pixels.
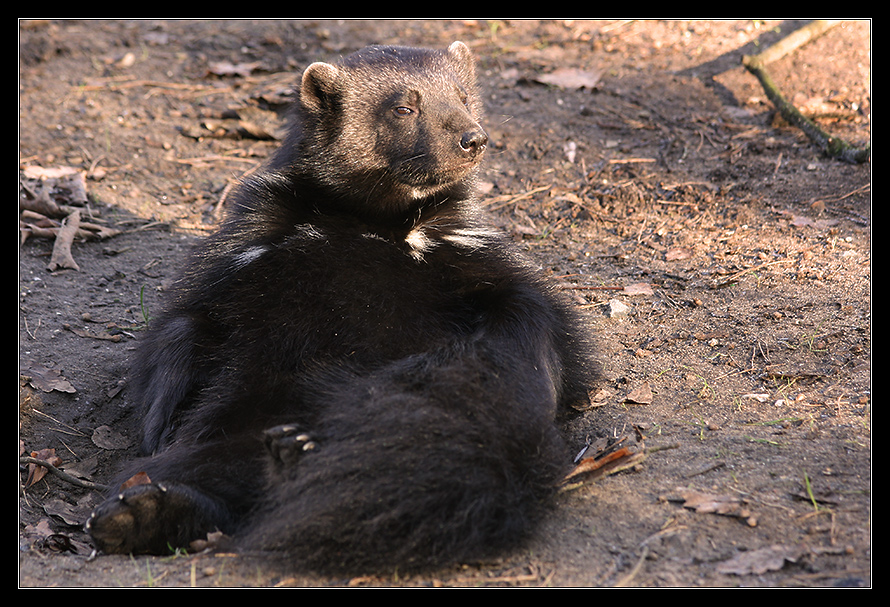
[{"x": 441, "y": 175}]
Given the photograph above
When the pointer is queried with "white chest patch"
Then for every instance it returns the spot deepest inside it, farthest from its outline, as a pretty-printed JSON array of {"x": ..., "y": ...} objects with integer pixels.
[{"x": 419, "y": 243}]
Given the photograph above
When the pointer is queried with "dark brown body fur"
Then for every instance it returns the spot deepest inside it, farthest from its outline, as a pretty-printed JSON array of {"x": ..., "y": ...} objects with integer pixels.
[{"x": 355, "y": 372}]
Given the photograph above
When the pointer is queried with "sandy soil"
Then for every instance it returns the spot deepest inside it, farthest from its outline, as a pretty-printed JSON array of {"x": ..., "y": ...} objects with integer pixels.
[{"x": 725, "y": 264}]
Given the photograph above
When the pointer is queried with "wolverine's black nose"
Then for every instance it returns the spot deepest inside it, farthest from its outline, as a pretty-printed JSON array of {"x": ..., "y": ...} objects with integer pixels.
[{"x": 473, "y": 142}]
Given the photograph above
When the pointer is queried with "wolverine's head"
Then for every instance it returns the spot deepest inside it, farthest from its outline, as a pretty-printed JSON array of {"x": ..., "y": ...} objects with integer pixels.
[{"x": 390, "y": 126}]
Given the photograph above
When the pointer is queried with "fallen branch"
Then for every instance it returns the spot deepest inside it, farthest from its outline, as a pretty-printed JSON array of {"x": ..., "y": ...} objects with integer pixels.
[
  {"x": 61, "y": 257},
  {"x": 835, "y": 147},
  {"x": 40, "y": 215},
  {"x": 61, "y": 473}
]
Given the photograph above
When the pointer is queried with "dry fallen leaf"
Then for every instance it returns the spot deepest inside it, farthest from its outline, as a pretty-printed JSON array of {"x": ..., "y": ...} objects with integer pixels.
[
  {"x": 81, "y": 333},
  {"x": 226, "y": 68},
  {"x": 36, "y": 471},
  {"x": 216, "y": 540},
  {"x": 709, "y": 503},
  {"x": 140, "y": 478},
  {"x": 63, "y": 510},
  {"x": 641, "y": 395},
  {"x": 106, "y": 438},
  {"x": 639, "y": 288},
  {"x": 800, "y": 221},
  {"x": 38, "y": 172},
  {"x": 678, "y": 254},
  {"x": 602, "y": 394},
  {"x": 606, "y": 461},
  {"x": 758, "y": 562},
  {"x": 571, "y": 78},
  {"x": 46, "y": 380}
]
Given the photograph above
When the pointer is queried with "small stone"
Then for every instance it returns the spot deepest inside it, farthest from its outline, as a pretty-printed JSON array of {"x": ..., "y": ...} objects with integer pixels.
[{"x": 618, "y": 309}]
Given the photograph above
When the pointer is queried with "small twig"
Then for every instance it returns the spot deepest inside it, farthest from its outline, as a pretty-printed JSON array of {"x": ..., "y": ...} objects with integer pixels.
[
  {"x": 627, "y": 579},
  {"x": 203, "y": 160},
  {"x": 500, "y": 201},
  {"x": 754, "y": 269},
  {"x": 593, "y": 288},
  {"x": 630, "y": 160},
  {"x": 104, "y": 84},
  {"x": 62, "y": 474},
  {"x": 858, "y": 190},
  {"x": 679, "y": 204}
]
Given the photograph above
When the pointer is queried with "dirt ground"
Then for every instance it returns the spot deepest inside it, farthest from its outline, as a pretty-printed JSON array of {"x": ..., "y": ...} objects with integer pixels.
[{"x": 725, "y": 264}]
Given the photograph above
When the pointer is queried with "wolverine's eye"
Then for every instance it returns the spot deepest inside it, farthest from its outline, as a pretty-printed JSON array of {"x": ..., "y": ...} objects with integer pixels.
[
  {"x": 402, "y": 111},
  {"x": 463, "y": 96}
]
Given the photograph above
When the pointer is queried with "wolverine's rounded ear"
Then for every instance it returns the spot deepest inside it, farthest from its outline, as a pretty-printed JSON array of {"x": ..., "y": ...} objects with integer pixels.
[
  {"x": 463, "y": 57},
  {"x": 320, "y": 87},
  {"x": 460, "y": 50}
]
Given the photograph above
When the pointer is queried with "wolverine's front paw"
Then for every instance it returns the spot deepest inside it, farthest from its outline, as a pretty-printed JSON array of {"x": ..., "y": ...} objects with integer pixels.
[
  {"x": 131, "y": 521},
  {"x": 287, "y": 444}
]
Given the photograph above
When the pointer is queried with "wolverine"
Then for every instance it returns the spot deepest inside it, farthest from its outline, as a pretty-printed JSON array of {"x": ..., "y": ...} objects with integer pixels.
[{"x": 356, "y": 373}]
